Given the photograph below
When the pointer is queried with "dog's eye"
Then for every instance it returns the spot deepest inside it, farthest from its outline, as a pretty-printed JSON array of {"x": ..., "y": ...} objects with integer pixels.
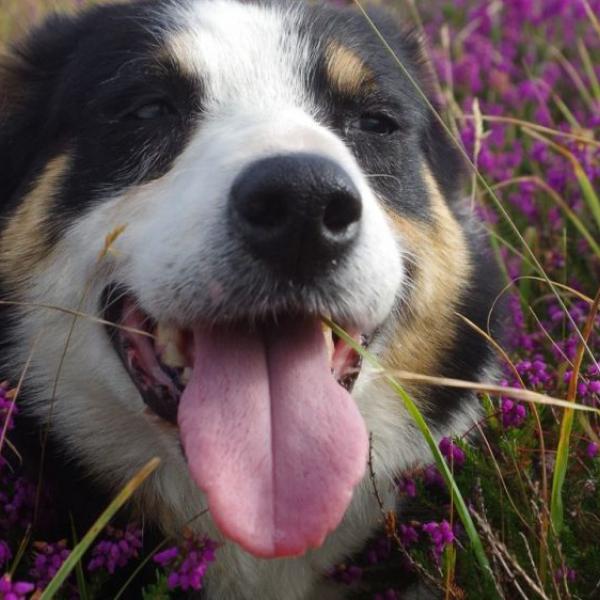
[
  {"x": 376, "y": 123},
  {"x": 151, "y": 110}
]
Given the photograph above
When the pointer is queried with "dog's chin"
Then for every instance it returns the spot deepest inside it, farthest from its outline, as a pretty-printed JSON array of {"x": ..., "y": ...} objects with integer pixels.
[{"x": 264, "y": 414}]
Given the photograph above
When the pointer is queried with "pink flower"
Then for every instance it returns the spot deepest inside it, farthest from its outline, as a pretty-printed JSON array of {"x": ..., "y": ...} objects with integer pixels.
[
  {"x": 117, "y": 549},
  {"x": 14, "y": 590},
  {"x": 187, "y": 563},
  {"x": 592, "y": 449}
]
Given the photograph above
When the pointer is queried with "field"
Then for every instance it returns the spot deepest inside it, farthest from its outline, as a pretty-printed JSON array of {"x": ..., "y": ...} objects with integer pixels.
[{"x": 511, "y": 510}]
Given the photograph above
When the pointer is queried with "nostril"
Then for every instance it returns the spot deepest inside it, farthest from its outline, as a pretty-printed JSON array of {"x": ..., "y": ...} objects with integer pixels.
[
  {"x": 343, "y": 210},
  {"x": 265, "y": 210}
]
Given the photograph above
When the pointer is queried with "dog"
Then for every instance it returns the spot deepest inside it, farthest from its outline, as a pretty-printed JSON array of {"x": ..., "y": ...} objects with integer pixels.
[{"x": 189, "y": 188}]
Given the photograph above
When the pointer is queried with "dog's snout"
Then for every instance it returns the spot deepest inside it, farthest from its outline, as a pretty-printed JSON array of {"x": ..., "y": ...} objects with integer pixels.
[{"x": 299, "y": 213}]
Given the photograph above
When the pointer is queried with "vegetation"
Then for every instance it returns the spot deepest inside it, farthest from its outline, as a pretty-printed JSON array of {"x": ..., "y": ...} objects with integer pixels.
[{"x": 519, "y": 86}]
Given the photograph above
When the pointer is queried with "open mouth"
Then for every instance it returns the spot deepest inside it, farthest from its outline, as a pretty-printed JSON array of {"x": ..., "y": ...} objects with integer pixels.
[
  {"x": 159, "y": 357},
  {"x": 269, "y": 430}
]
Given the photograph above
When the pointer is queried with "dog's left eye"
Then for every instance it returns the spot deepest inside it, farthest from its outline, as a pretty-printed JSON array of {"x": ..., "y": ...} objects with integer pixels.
[
  {"x": 376, "y": 123},
  {"x": 151, "y": 110}
]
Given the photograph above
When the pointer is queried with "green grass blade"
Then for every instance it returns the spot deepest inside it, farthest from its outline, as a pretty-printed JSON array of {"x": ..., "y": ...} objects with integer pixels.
[
  {"x": 24, "y": 544},
  {"x": 146, "y": 559},
  {"x": 564, "y": 206},
  {"x": 587, "y": 189},
  {"x": 568, "y": 115},
  {"x": 581, "y": 228},
  {"x": 79, "y": 550},
  {"x": 589, "y": 69},
  {"x": 138, "y": 569},
  {"x": 560, "y": 471},
  {"x": 411, "y": 407},
  {"x": 81, "y": 583},
  {"x": 566, "y": 427}
]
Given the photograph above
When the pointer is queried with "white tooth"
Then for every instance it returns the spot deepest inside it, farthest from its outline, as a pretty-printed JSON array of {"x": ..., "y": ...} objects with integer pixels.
[
  {"x": 168, "y": 342},
  {"x": 328, "y": 334},
  {"x": 186, "y": 375},
  {"x": 163, "y": 334},
  {"x": 171, "y": 356}
]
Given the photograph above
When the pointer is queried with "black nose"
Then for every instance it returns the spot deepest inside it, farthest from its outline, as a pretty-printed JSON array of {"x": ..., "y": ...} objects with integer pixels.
[{"x": 300, "y": 213}]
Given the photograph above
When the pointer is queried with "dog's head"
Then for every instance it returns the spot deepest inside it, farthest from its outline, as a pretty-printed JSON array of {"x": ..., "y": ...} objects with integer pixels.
[{"x": 211, "y": 178}]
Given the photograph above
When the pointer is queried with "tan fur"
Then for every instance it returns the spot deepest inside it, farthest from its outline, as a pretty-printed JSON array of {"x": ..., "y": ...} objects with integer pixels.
[
  {"x": 346, "y": 71},
  {"x": 442, "y": 265},
  {"x": 178, "y": 54},
  {"x": 24, "y": 242}
]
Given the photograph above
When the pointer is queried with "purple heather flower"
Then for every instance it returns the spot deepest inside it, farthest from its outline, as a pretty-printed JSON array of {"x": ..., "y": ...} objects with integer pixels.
[
  {"x": 441, "y": 535},
  {"x": 8, "y": 409},
  {"x": 188, "y": 563},
  {"x": 117, "y": 549},
  {"x": 47, "y": 561},
  {"x": 555, "y": 218},
  {"x": 513, "y": 413},
  {"x": 16, "y": 504},
  {"x": 535, "y": 372},
  {"x": 588, "y": 386},
  {"x": 379, "y": 551},
  {"x": 453, "y": 453},
  {"x": 556, "y": 176},
  {"x": 407, "y": 485},
  {"x": 539, "y": 152},
  {"x": 14, "y": 590},
  {"x": 408, "y": 535},
  {"x": 433, "y": 478},
  {"x": 346, "y": 574},
  {"x": 567, "y": 573},
  {"x": 5, "y": 554},
  {"x": 542, "y": 116},
  {"x": 166, "y": 556},
  {"x": 518, "y": 337},
  {"x": 592, "y": 449}
]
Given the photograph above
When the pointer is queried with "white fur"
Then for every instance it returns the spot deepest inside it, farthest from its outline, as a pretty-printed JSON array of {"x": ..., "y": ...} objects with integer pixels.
[{"x": 175, "y": 241}]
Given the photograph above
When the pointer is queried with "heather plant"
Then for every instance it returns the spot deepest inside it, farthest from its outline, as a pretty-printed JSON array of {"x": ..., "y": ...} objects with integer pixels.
[{"x": 518, "y": 85}]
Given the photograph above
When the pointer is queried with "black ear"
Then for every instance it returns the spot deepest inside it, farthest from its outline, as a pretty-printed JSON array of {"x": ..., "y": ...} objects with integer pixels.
[{"x": 30, "y": 73}]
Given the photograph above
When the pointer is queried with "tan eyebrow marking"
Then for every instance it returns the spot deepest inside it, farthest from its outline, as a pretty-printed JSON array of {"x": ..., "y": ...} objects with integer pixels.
[{"x": 346, "y": 70}]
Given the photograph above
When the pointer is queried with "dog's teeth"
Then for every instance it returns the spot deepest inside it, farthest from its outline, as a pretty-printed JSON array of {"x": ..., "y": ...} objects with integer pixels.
[
  {"x": 186, "y": 375},
  {"x": 172, "y": 357},
  {"x": 168, "y": 342},
  {"x": 163, "y": 334}
]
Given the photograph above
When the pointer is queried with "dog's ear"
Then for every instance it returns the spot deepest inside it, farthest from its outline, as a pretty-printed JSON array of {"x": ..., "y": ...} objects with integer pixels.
[{"x": 30, "y": 73}]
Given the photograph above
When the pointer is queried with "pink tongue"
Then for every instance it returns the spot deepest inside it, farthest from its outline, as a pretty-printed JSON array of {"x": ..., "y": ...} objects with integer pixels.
[{"x": 270, "y": 437}]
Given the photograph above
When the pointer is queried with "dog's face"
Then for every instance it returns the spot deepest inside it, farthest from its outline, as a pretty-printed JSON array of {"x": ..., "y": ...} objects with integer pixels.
[{"x": 214, "y": 177}]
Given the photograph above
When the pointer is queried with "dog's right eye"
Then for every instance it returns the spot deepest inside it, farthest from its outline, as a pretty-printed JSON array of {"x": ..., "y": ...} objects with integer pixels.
[
  {"x": 151, "y": 110},
  {"x": 378, "y": 123}
]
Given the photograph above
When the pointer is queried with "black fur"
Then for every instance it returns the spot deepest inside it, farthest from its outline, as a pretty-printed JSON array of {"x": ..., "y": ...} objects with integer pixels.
[{"x": 74, "y": 85}]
